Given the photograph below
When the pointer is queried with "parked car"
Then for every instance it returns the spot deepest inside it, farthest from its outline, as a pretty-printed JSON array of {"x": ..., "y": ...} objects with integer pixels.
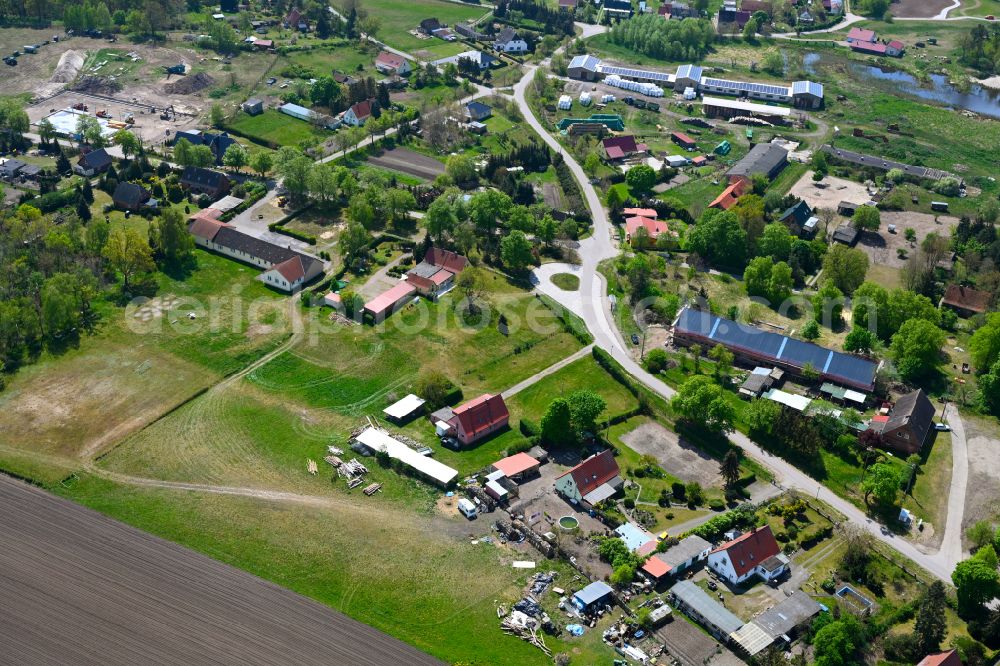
[
  {"x": 942, "y": 427},
  {"x": 271, "y": 81},
  {"x": 635, "y": 338},
  {"x": 712, "y": 586}
]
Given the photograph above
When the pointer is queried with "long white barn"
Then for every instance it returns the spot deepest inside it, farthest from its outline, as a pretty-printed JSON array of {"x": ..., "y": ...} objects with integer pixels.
[{"x": 800, "y": 94}]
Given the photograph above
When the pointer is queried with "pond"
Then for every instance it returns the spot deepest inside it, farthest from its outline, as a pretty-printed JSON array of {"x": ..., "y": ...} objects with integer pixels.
[
  {"x": 569, "y": 522},
  {"x": 978, "y": 98}
]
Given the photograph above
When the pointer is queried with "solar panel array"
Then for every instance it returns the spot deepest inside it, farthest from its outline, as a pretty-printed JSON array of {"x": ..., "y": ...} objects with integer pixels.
[
  {"x": 635, "y": 73},
  {"x": 743, "y": 86}
]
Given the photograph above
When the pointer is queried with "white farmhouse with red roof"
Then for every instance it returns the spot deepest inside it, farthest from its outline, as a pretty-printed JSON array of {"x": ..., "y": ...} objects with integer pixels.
[
  {"x": 392, "y": 63},
  {"x": 753, "y": 553},
  {"x": 595, "y": 479}
]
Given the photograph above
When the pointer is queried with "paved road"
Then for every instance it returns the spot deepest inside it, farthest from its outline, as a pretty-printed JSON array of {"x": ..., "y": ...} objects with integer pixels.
[
  {"x": 79, "y": 588},
  {"x": 595, "y": 311}
]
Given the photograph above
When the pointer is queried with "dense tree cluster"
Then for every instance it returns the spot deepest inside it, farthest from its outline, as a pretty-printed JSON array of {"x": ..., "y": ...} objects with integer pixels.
[
  {"x": 980, "y": 48},
  {"x": 554, "y": 21},
  {"x": 649, "y": 34}
]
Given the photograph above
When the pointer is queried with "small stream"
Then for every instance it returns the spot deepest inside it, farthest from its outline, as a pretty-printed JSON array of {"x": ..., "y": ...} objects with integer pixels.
[{"x": 979, "y": 99}]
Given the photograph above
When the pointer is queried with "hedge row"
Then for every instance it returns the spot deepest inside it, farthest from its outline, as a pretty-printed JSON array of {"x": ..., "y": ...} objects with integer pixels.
[
  {"x": 277, "y": 228},
  {"x": 740, "y": 517},
  {"x": 569, "y": 323}
]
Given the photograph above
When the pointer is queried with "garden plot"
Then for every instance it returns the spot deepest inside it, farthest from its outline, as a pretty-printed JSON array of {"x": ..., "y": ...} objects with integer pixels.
[{"x": 685, "y": 461}]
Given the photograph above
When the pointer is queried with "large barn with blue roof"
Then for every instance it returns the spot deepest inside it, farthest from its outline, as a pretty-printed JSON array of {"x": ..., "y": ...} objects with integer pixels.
[{"x": 758, "y": 346}]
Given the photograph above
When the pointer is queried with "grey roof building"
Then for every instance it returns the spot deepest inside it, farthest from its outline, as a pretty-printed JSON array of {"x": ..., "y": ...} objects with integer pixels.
[
  {"x": 764, "y": 158},
  {"x": 708, "y": 612},
  {"x": 583, "y": 67},
  {"x": 595, "y": 593},
  {"x": 784, "y": 617}
]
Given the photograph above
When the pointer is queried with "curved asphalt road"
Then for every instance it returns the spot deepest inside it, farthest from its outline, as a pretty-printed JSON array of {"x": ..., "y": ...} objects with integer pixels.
[
  {"x": 77, "y": 587},
  {"x": 595, "y": 310}
]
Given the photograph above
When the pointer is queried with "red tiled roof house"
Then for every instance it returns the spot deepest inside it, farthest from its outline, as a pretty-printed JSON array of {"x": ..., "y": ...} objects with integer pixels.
[
  {"x": 750, "y": 554},
  {"x": 357, "y": 115},
  {"x": 595, "y": 479},
  {"x": 949, "y": 658},
  {"x": 435, "y": 275},
  {"x": 620, "y": 147},
  {"x": 479, "y": 418},
  {"x": 737, "y": 188}
]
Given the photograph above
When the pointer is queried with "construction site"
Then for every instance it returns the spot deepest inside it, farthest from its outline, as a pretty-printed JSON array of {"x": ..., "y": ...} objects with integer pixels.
[{"x": 152, "y": 124}]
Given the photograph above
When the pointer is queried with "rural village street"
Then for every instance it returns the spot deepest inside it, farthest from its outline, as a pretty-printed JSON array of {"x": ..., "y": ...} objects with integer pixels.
[{"x": 595, "y": 310}]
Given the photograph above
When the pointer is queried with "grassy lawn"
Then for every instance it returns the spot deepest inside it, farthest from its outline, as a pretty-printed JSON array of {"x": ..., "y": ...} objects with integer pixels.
[
  {"x": 583, "y": 374},
  {"x": 410, "y": 575},
  {"x": 80, "y": 400},
  {"x": 567, "y": 281},
  {"x": 276, "y": 127},
  {"x": 398, "y": 18},
  {"x": 341, "y": 54},
  {"x": 928, "y": 499}
]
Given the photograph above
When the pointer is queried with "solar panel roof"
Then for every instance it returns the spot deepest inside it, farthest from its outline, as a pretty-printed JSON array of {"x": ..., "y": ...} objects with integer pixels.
[
  {"x": 635, "y": 73},
  {"x": 759, "y": 88},
  {"x": 832, "y": 364}
]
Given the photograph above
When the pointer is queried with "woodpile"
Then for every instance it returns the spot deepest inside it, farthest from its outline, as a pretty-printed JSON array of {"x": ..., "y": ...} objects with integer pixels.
[
  {"x": 372, "y": 489},
  {"x": 525, "y": 633}
]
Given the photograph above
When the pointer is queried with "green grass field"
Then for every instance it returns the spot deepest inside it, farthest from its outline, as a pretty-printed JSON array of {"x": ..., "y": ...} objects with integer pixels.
[
  {"x": 70, "y": 406},
  {"x": 399, "y": 18},
  {"x": 343, "y": 55},
  {"x": 276, "y": 127},
  {"x": 412, "y": 576}
]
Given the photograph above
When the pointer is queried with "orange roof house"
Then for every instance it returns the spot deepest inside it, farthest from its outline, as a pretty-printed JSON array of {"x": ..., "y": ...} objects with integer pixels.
[
  {"x": 479, "y": 417},
  {"x": 653, "y": 228},
  {"x": 737, "y": 188}
]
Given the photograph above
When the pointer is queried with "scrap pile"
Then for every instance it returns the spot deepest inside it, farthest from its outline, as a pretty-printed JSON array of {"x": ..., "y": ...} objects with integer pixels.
[{"x": 524, "y": 626}]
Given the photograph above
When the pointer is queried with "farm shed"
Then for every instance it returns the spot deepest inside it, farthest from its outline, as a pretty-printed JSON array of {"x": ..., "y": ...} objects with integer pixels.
[
  {"x": 782, "y": 619},
  {"x": 594, "y": 595},
  {"x": 389, "y": 301},
  {"x": 708, "y": 612},
  {"x": 517, "y": 466},
  {"x": 405, "y": 409},
  {"x": 430, "y": 469}
]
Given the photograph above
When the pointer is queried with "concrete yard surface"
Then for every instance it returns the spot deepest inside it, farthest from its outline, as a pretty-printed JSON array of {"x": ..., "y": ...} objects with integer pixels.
[
  {"x": 830, "y": 192},
  {"x": 685, "y": 461},
  {"x": 77, "y": 587}
]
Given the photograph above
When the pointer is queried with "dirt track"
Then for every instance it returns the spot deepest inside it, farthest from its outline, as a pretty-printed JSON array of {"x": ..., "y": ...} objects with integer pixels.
[{"x": 77, "y": 587}]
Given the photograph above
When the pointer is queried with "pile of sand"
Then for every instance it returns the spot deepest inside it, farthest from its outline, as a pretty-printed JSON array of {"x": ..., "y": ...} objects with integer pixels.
[
  {"x": 68, "y": 67},
  {"x": 97, "y": 85},
  {"x": 187, "y": 85}
]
